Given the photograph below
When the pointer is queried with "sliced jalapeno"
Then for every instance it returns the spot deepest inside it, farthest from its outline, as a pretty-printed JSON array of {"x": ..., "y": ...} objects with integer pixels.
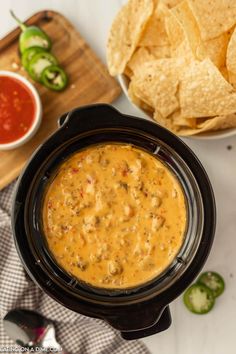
[
  {"x": 199, "y": 299},
  {"x": 214, "y": 281},
  {"x": 32, "y": 36},
  {"x": 54, "y": 78},
  {"x": 38, "y": 63},
  {"x": 28, "y": 54}
]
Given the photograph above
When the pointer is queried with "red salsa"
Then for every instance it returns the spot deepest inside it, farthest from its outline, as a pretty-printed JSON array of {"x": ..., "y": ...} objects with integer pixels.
[{"x": 17, "y": 109}]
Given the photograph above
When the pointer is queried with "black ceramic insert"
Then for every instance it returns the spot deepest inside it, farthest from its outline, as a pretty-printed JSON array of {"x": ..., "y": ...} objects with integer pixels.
[{"x": 133, "y": 311}]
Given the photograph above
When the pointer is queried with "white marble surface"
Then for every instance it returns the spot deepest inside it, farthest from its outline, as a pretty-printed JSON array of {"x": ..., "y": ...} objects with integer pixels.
[{"x": 214, "y": 333}]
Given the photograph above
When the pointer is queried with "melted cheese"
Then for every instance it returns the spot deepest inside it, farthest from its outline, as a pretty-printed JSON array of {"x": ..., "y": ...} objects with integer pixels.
[{"x": 114, "y": 216}]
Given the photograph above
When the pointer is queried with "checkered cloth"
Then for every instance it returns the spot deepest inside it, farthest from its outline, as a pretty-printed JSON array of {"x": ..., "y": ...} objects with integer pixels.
[{"x": 76, "y": 333}]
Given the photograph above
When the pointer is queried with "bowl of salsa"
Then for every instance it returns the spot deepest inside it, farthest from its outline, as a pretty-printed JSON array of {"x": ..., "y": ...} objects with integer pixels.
[{"x": 20, "y": 110}]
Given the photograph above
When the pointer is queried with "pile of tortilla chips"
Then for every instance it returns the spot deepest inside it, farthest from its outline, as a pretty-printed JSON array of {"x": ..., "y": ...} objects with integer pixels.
[{"x": 180, "y": 58}]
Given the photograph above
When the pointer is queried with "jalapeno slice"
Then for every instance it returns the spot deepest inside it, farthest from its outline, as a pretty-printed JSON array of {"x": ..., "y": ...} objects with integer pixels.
[
  {"x": 54, "y": 78},
  {"x": 38, "y": 63},
  {"x": 28, "y": 55},
  {"x": 32, "y": 36},
  {"x": 214, "y": 281},
  {"x": 199, "y": 299}
]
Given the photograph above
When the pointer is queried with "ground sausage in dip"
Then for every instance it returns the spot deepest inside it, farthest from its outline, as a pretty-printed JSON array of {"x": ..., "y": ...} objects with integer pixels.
[{"x": 114, "y": 216}]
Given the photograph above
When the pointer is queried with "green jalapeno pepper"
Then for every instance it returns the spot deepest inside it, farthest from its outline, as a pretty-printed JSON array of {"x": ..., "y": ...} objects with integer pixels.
[
  {"x": 54, "y": 78},
  {"x": 213, "y": 281},
  {"x": 32, "y": 36},
  {"x": 38, "y": 63},
  {"x": 199, "y": 299},
  {"x": 28, "y": 54}
]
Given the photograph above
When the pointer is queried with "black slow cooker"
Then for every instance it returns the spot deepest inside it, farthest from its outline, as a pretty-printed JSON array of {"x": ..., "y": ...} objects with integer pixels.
[{"x": 139, "y": 311}]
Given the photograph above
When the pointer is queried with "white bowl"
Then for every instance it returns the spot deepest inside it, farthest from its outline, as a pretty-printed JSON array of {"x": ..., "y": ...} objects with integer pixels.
[
  {"x": 220, "y": 134},
  {"x": 38, "y": 112}
]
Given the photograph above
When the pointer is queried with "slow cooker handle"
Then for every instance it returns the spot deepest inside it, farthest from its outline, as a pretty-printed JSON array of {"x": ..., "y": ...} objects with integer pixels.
[
  {"x": 62, "y": 119},
  {"x": 141, "y": 321},
  {"x": 162, "y": 324},
  {"x": 108, "y": 112}
]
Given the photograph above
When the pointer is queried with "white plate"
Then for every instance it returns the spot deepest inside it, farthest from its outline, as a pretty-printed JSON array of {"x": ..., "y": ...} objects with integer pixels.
[{"x": 220, "y": 134}]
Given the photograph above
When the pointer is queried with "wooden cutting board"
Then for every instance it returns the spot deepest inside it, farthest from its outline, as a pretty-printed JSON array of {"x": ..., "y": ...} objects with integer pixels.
[{"x": 89, "y": 83}]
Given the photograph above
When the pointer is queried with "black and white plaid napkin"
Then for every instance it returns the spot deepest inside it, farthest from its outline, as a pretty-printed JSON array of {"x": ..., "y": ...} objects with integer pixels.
[{"x": 76, "y": 333}]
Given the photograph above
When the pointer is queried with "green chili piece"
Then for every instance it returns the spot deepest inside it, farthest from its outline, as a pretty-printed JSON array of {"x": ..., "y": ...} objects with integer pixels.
[
  {"x": 54, "y": 78},
  {"x": 28, "y": 55},
  {"x": 32, "y": 36},
  {"x": 199, "y": 299},
  {"x": 38, "y": 63},
  {"x": 214, "y": 281}
]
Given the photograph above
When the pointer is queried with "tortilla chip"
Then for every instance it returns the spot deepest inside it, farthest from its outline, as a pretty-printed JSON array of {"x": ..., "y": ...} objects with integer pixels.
[
  {"x": 232, "y": 79},
  {"x": 175, "y": 122},
  {"x": 155, "y": 32},
  {"x": 125, "y": 33},
  {"x": 185, "y": 17},
  {"x": 164, "y": 122},
  {"x": 174, "y": 31},
  {"x": 204, "y": 92},
  {"x": 178, "y": 41},
  {"x": 141, "y": 56},
  {"x": 138, "y": 96},
  {"x": 170, "y": 3},
  {"x": 137, "y": 101},
  {"x": 159, "y": 52},
  {"x": 181, "y": 121},
  {"x": 213, "y": 17},
  {"x": 128, "y": 72},
  {"x": 231, "y": 54},
  {"x": 156, "y": 83},
  {"x": 225, "y": 73},
  {"x": 216, "y": 48},
  {"x": 145, "y": 54},
  {"x": 212, "y": 124}
]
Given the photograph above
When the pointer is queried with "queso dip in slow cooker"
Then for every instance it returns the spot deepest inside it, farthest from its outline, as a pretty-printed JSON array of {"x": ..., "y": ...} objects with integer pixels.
[{"x": 114, "y": 216}]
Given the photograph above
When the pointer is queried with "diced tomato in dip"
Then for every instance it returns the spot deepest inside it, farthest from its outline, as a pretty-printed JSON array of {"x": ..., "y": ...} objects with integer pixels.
[
  {"x": 17, "y": 109},
  {"x": 114, "y": 216}
]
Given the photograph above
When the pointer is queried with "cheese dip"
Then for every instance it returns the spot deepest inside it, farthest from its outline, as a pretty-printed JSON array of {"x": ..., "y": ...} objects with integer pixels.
[{"x": 114, "y": 216}]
